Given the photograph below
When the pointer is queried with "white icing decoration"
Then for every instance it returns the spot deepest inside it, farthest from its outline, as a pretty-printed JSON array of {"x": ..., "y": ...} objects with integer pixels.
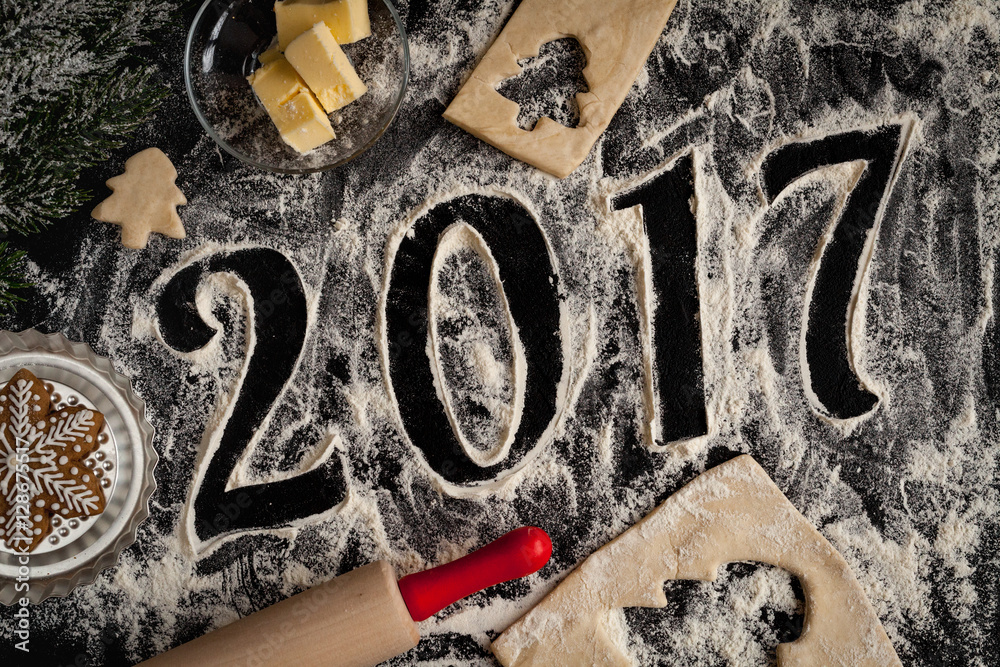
[{"x": 42, "y": 446}]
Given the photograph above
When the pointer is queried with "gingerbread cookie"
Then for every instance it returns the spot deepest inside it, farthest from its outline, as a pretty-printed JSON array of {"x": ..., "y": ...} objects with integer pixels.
[{"x": 42, "y": 473}]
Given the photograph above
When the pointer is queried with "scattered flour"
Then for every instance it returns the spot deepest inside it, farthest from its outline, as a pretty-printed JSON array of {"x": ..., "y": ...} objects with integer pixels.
[{"x": 907, "y": 494}]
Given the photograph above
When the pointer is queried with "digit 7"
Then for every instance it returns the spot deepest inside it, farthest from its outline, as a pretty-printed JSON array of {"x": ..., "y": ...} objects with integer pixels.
[{"x": 841, "y": 266}]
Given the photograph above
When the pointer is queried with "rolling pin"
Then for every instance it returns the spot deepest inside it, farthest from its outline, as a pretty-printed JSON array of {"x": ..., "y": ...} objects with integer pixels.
[{"x": 363, "y": 617}]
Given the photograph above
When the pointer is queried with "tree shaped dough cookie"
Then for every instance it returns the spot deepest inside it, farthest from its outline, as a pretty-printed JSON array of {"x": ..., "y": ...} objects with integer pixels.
[
  {"x": 144, "y": 199},
  {"x": 733, "y": 512}
]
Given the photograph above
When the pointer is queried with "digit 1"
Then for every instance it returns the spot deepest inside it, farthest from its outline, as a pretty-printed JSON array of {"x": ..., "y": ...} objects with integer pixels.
[{"x": 675, "y": 365}]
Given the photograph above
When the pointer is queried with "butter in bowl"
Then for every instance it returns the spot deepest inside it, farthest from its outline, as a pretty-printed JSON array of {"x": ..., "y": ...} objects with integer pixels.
[
  {"x": 296, "y": 86},
  {"x": 307, "y": 76}
]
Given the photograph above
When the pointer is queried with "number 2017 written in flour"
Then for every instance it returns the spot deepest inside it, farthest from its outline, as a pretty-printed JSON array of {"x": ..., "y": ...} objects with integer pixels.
[{"x": 525, "y": 276}]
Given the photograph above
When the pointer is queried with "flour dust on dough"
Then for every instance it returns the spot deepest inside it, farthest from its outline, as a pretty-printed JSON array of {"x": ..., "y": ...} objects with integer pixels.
[
  {"x": 616, "y": 36},
  {"x": 730, "y": 513}
]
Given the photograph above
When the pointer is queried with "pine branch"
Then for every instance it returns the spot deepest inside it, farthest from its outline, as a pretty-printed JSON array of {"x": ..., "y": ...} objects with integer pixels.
[
  {"x": 72, "y": 91},
  {"x": 11, "y": 270}
]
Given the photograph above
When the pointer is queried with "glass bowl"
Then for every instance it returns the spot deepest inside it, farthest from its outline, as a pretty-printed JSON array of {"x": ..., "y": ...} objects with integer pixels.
[{"x": 222, "y": 48}]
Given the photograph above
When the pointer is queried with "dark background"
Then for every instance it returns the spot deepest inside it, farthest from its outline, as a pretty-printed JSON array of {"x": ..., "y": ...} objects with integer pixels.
[{"x": 929, "y": 294}]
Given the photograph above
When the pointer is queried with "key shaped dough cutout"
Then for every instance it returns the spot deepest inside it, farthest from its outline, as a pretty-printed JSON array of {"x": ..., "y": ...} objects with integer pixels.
[
  {"x": 733, "y": 512},
  {"x": 616, "y": 36}
]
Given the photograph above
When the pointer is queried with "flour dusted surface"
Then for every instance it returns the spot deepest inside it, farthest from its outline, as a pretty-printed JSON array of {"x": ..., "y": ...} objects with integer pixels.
[{"x": 907, "y": 494}]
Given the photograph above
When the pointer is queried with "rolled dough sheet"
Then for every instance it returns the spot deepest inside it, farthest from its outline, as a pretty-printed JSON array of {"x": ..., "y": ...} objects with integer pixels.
[
  {"x": 733, "y": 512},
  {"x": 616, "y": 36}
]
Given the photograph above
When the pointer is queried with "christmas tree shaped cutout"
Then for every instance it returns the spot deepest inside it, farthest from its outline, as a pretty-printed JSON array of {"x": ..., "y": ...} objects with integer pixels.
[
  {"x": 144, "y": 199},
  {"x": 548, "y": 84}
]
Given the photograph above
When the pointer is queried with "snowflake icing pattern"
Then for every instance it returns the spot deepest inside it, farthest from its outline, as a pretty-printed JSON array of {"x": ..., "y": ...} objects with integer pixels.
[{"x": 42, "y": 473}]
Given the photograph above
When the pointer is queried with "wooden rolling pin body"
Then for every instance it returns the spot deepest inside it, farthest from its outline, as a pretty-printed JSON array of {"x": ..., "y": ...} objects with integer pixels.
[{"x": 358, "y": 619}]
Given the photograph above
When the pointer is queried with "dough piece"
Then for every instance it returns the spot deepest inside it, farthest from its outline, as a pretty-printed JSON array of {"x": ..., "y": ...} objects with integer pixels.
[
  {"x": 42, "y": 450},
  {"x": 144, "y": 199},
  {"x": 733, "y": 512},
  {"x": 616, "y": 36}
]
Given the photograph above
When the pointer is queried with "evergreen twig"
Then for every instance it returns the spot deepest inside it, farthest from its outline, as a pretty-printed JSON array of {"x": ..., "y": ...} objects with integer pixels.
[
  {"x": 11, "y": 270},
  {"x": 71, "y": 91}
]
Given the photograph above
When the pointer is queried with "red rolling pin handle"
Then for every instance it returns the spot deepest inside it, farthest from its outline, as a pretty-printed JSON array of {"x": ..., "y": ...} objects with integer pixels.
[{"x": 516, "y": 554}]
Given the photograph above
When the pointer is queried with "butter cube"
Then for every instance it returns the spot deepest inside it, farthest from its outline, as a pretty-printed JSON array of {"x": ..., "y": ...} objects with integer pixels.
[
  {"x": 318, "y": 59},
  {"x": 347, "y": 19},
  {"x": 276, "y": 82},
  {"x": 293, "y": 109},
  {"x": 303, "y": 125},
  {"x": 269, "y": 56}
]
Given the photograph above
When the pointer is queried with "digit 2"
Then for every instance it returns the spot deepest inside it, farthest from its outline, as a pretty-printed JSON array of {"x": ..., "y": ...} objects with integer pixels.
[
  {"x": 845, "y": 254},
  {"x": 279, "y": 323}
]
